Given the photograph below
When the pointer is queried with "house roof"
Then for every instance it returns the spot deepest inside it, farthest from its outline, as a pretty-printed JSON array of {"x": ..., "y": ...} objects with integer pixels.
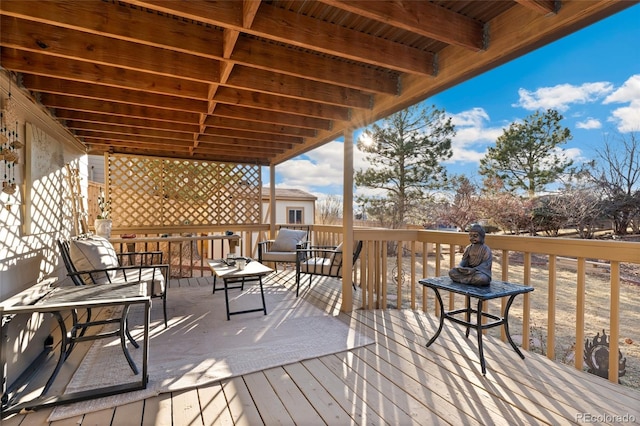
[
  {"x": 259, "y": 82},
  {"x": 288, "y": 194}
]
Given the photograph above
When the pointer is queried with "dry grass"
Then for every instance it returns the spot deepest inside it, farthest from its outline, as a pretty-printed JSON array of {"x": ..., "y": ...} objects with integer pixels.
[{"x": 597, "y": 306}]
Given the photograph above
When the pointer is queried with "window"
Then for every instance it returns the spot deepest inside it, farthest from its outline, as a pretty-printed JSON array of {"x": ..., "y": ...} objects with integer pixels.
[{"x": 294, "y": 215}]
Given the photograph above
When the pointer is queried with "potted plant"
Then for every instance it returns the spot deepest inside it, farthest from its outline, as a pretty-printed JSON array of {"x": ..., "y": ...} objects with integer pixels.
[{"x": 103, "y": 222}]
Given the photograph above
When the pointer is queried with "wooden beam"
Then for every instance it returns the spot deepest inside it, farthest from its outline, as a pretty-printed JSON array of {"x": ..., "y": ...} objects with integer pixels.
[
  {"x": 84, "y": 119},
  {"x": 216, "y": 122},
  {"x": 304, "y": 64},
  {"x": 545, "y": 7},
  {"x": 111, "y": 94},
  {"x": 117, "y": 108},
  {"x": 70, "y": 44},
  {"x": 420, "y": 17},
  {"x": 227, "y": 95},
  {"x": 291, "y": 28},
  {"x": 273, "y": 117},
  {"x": 297, "y": 88},
  {"x": 69, "y": 69}
]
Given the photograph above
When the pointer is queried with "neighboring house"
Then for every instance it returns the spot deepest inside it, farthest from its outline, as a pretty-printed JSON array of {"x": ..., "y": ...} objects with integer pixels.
[{"x": 293, "y": 206}]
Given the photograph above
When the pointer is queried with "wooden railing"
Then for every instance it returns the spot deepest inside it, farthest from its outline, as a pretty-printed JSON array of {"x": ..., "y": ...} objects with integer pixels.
[
  {"x": 438, "y": 250},
  {"x": 187, "y": 252},
  {"x": 392, "y": 262}
]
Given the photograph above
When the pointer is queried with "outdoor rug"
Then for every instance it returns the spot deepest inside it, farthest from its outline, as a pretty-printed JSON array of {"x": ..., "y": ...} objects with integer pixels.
[{"x": 200, "y": 346}]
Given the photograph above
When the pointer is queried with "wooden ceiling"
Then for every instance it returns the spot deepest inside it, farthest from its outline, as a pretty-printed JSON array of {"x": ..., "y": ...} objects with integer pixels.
[{"x": 259, "y": 82}]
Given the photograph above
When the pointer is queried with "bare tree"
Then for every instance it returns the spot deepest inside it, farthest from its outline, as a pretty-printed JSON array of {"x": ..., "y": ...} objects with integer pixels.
[
  {"x": 462, "y": 211},
  {"x": 329, "y": 210},
  {"x": 616, "y": 171}
]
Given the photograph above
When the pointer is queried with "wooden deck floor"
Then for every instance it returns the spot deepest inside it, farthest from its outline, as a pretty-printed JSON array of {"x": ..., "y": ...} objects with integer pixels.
[{"x": 395, "y": 381}]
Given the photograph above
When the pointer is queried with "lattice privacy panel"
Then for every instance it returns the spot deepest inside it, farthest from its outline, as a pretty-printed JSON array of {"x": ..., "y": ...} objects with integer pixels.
[{"x": 154, "y": 192}]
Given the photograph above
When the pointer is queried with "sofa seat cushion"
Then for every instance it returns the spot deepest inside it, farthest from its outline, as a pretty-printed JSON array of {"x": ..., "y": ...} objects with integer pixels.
[{"x": 92, "y": 253}]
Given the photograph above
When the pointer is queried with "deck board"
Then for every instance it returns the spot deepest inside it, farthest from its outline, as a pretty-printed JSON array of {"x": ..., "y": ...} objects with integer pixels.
[
  {"x": 396, "y": 380},
  {"x": 214, "y": 406}
]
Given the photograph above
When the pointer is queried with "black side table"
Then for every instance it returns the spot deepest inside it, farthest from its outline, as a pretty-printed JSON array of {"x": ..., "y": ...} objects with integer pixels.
[{"x": 494, "y": 290}]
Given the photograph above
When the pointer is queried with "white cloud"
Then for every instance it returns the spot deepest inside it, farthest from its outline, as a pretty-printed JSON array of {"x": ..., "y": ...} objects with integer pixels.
[
  {"x": 626, "y": 118},
  {"x": 561, "y": 97},
  {"x": 589, "y": 123},
  {"x": 472, "y": 137}
]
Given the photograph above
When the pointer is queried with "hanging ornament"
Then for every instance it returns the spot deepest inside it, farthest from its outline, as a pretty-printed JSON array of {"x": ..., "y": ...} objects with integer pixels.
[{"x": 11, "y": 156}]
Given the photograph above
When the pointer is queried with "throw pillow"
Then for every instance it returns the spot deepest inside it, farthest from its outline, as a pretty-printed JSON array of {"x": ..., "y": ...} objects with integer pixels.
[
  {"x": 337, "y": 256},
  {"x": 92, "y": 253},
  {"x": 288, "y": 239}
]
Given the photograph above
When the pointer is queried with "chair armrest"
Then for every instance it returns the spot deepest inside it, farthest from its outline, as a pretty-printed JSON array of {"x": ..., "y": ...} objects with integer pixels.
[
  {"x": 315, "y": 251},
  {"x": 263, "y": 246},
  {"x": 133, "y": 270},
  {"x": 145, "y": 258},
  {"x": 265, "y": 243}
]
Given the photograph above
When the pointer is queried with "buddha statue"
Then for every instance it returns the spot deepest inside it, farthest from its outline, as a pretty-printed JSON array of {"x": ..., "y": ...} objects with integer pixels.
[{"x": 475, "y": 267}]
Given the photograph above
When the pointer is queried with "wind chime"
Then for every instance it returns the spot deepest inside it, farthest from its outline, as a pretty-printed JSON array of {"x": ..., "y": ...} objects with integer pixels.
[{"x": 9, "y": 146}]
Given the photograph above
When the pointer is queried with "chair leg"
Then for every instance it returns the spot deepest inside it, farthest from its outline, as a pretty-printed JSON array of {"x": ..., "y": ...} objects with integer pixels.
[{"x": 164, "y": 307}]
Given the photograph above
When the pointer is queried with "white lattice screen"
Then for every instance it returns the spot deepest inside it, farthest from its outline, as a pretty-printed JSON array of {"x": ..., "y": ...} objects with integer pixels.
[{"x": 155, "y": 192}]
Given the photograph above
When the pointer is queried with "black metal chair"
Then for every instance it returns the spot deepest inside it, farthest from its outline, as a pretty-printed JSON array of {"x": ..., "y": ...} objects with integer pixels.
[
  {"x": 322, "y": 261},
  {"x": 284, "y": 249},
  {"x": 131, "y": 267}
]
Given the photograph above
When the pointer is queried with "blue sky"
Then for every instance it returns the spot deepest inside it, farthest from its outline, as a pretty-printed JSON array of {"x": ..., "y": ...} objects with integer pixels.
[{"x": 592, "y": 77}]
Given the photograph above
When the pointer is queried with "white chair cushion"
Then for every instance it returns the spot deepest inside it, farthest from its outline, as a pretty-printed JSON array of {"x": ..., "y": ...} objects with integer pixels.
[
  {"x": 279, "y": 256},
  {"x": 288, "y": 239},
  {"x": 153, "y": 278},
  {"x": 93, "y": 253},
  {"x": 320, "y": 266}
]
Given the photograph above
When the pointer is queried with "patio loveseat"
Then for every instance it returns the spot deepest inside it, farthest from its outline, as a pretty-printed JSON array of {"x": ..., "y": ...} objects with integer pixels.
[{"x": 92, "y": 260}]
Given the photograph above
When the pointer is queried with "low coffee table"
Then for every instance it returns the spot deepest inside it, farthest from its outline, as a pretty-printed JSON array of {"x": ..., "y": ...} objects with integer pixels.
[{"x": 252, "y": 272}]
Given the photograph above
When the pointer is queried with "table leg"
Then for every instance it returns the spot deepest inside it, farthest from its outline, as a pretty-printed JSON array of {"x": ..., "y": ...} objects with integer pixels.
[
  {"x": 435, "y": 336},
  {"x": 468, "y": 315},
  {"x": 264, "y": 305},
  {"x": 226, "y": 298},
  {"x": 64, "y": 344},
  {"x": 145, "y": 344},
  {"x": 479, "y": 330},
  {"x": 506, "y": 326},
  {"x": 123, "y": 334}
]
